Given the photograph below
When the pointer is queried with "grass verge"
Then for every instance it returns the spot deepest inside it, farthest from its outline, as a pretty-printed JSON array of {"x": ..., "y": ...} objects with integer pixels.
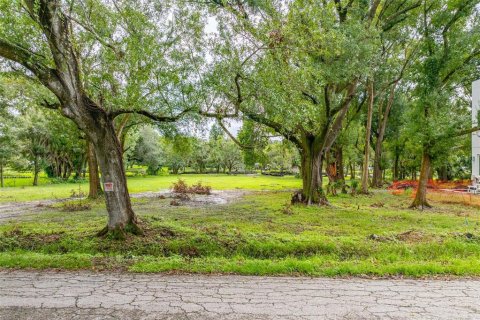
[{"x": 365, "y": 235}]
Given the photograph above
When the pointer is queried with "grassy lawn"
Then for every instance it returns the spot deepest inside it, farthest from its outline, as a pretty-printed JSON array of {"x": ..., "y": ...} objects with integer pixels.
[
  {"x": 256, "y": 235},
  {"x": 152, "y": 183}
]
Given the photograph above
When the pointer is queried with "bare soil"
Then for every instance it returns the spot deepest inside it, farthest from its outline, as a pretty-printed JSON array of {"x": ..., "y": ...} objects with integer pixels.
[{"x": 15, "y": 210}]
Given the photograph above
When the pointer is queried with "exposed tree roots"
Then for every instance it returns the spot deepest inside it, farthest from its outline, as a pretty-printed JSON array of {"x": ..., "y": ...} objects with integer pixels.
[
  {"x": 299, "y": 198},
  {"x": 420, "y": 206},
  {"x": 120, "y": 232}
]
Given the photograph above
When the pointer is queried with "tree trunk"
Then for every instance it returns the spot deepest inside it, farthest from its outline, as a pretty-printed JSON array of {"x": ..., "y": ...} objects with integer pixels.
[
  {"x": 377, "y": 169},
  {"x": 367, "y": 139},
  {"x": 1, "y": 174},
  {"x": 35, "y": 171},
  {"x": 383, "y": 120},
  {"x": 340, "y": 171},
  {"x": 443, "y": 173},
  {"x": 420, "y": 201},
  {"x": 121, "y": 217},
  {"x": 121, "y": 132},
  {"x": 335, "y": 173},
  {"x": 95, "y": 190},
  {"x": 84, "y": 166},
  {"x": 311, "y": 170},
  {"x": 63, "y": 77},
  {"x": 57, "y": 168},
  {"x": 395, "y": 166},
  {"x": 331, "y": 171}
]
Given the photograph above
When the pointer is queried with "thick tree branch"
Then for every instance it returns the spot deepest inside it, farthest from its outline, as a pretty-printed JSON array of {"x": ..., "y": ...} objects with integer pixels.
[
  {"x": 235, "y": 140},
  {"x": 465, "y": 61},
  {"x": 457, "y": 15},
  {"x": 348, "y": 98},
  {"x": 278, "y": 127},
  {"x": 92, "y": 31},
  {"x": 149, "y": 115},
  {"x": 334, "y": 130},
  {"x": 218, "y": 115},
  {"x": 311, "y": 97},
  {"x": 50, "y": 105},
  {"x": 465, "y": 132},
  {"x": 373, "y": 10},
  {"x": 25, "y": 57},
  {"x": 396, "y": 18}
]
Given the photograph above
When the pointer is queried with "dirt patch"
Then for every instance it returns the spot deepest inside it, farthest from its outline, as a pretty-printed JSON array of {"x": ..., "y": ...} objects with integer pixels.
[
  {"x": 29, "y": 209},
  {"x": 411, "y": 236},
  {"x": 13, "y": 210},
  {"x": 219, "y": 197}
]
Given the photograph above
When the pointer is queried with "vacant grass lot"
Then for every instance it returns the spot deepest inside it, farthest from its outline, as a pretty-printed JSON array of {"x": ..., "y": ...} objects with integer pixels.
[
  {"x": 153, "y": 183},
  {"x": 257, "y": 235}
]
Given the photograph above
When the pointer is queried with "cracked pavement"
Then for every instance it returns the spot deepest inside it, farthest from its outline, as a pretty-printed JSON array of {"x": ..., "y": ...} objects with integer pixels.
[{"x": 88, "y": 295}]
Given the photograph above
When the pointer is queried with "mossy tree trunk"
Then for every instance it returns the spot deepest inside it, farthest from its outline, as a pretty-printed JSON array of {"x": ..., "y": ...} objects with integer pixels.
[
  {"x": 95, "y": 189},
  {"x": 311, "y": 171},
  {"x": 368, "y": 129},
  {"x": 101, "y": 133}
]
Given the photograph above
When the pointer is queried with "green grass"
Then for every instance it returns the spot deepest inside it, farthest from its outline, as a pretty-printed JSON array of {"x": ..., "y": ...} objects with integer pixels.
[
  {"x": 151, "y": 183},
  {"x": 364, "y": 235}
]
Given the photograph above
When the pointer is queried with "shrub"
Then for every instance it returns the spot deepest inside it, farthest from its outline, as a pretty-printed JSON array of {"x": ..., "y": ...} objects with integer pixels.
[
  {"x": 75, "y": 206},
  {"x": 181, "y": 187},
  {"x": 198, "y": 188},
  {"x": 354, "y": 186}
]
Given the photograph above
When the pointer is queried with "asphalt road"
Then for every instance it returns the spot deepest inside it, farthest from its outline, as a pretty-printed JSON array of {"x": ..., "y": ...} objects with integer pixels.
[{"x": 86, "y": 295}]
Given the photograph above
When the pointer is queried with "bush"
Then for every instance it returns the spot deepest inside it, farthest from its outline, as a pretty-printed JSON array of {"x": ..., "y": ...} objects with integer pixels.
[
  {"x": 181, "y": 187},
  {"x": 200, "y": 189},
  {"x": 75, "y": 206},
  {"x": 354, "y": 185}
]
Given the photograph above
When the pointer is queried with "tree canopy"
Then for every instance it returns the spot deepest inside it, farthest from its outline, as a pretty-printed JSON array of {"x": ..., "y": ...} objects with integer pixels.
[{"x": 330, "y": 86}]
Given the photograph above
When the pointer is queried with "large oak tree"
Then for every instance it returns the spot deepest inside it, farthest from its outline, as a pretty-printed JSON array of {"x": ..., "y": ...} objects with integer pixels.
[
  {"x": 101, "y": 60},
  {"x": 297, "y": 68}
]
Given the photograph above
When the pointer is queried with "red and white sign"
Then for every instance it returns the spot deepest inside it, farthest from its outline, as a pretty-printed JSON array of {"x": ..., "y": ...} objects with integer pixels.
[{"x": 108, "y": 186}]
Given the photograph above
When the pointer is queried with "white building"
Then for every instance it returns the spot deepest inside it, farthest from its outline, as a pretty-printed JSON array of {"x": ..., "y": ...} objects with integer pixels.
[{"x": 475, "y": 135}]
